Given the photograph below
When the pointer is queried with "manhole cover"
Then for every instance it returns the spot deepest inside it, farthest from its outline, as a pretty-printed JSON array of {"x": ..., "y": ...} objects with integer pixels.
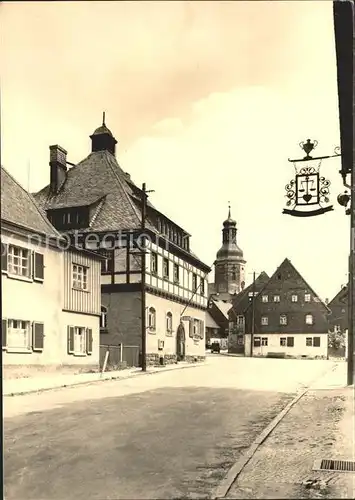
[{"x": 327, "y": 464}]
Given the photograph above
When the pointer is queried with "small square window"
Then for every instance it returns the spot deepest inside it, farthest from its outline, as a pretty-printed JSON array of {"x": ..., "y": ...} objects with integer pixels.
[
  {"x": 154, "y": 263},
  {"x": 283, "y": 341},
  {"x": 265, "y": 298},
  {"x": 264, "y": 320},
  {"x": 276, "y": 298},
  {"x": 264, "y": 341},
  {"x": 307, "y": 297},
  {"x": 294, "y": 298},
  {"x": 309, "y": 342},
  {"x": 283, "y": 319},
  {"x": 309, "y": 319}
]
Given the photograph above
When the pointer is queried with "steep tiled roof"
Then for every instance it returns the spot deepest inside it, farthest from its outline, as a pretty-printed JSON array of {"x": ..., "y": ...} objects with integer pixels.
[
  {"x": 286, "y": 263},
  {"x": 341, "y": 296},
  {"x": 210, "y": 322},
  {"x": 19, "y": 207},
  {"x": 241, "y": 301},
  {"x": 97, "y": 176}
]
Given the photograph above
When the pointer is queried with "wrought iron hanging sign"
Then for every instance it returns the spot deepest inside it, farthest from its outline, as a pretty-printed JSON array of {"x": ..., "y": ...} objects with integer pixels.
[{"x": 308, "y": 192}]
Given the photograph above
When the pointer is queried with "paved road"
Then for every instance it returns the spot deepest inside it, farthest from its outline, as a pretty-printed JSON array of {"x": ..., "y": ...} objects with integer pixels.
[{"x": 170, "y": 435}]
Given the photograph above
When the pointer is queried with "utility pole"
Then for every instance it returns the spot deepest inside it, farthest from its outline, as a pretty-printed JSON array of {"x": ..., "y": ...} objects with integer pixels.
[
  {"x": 252, "y": 318},
  {"x": 143, "y": 264},
  {"x": 351, "y": 296}
]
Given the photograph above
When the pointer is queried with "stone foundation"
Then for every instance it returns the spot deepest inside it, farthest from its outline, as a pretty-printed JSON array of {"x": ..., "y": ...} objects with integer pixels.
[
  {"x": 28, "y": 371},
  {"x": 170, "y": 359},
  {"x": 194, "y": 359},
  {"x": 152, "y": 359}
]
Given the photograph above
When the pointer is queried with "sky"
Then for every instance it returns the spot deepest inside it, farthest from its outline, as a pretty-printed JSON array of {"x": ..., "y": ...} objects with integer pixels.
[{"x": 207, "y": 100}]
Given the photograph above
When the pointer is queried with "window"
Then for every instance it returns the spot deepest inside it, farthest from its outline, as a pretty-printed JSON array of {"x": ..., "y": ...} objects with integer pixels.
[
  {"x": 80, "y": 340},
  {"x": 18, "y": 335},
  {"x": 309, "y": 319},
  {"x": 290, "y": 341},
  {"x": 80, "y": 277},
  {"x": 264, "y": 341},
  {"x": 294, "y": 298},
  {"x": 279, "y": 276},
  {"x": 283, "y": 341},
  {"x": 307, "y": 297},
  {"x": 264, "y": 320},
  {"x": 154, "y": 263},
  {"x": 276, "y": 298},
  {"x": 240, "y": 340},
  {"x": 169, "y": 323},
  {"x": 202, "y": 286},
  {"x": 234, "y": 273},
  {"x": 18, "y": 261},
  {"x": 107, "y": 264},
  {"x": 283, "y": 319},
  {"x": 151, "y": 318},
  {"x": 316, "y": 341},
  {"x": 176, "y": 273},
  {"x": 103, "y": 318},
  {"x": 165, "y": 268},
  {"x": 309, "y": 341},
  {"x": 337, "y": 329},
  {"x": 256, "y": 341},
  {"x": 194, "y": 282},
  {"x": 265, "y": 298},
  {"x": 240, "y": 320}
]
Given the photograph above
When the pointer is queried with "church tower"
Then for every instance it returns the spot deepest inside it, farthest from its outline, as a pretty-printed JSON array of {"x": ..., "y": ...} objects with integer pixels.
[{"x": 229, "y": 264}]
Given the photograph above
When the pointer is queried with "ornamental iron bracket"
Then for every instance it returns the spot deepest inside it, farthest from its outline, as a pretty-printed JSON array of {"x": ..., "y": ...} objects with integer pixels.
[{"x": 308, "y": 192}]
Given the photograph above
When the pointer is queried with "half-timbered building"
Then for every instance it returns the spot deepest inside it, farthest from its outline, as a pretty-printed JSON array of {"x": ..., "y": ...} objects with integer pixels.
[
  {"x": 100, "y": 207},
  {"x": 51, "y": 301}
]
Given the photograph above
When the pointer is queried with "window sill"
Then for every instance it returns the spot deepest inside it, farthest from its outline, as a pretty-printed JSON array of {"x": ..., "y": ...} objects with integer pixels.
[
  {"x": 169, "y": 334},
  {"x": 166, "y": 278},
  {"x": 103, "y": 330},
  {"x": 154, "y": 273},
  {"x": 80, "y": 289},
  {"x": 17, "y": 350},
  {"x": 152, "y": 332},
  {"x": 18, "y": 277},
  {"x": 79, "y": 354}
]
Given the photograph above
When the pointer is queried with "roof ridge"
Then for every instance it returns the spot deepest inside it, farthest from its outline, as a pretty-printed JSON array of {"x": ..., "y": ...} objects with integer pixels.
[{"x": 32, "y": 199}]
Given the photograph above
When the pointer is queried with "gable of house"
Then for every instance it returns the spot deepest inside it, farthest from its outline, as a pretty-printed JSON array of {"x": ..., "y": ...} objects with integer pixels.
[{"x": 278, "y": 293}]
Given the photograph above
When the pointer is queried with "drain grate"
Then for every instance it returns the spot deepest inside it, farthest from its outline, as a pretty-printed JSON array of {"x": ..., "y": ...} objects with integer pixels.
[{"x": 334, "y": 465}]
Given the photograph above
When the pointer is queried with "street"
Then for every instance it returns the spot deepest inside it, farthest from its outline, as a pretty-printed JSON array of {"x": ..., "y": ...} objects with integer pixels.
[{"x": 169, "y": 435}]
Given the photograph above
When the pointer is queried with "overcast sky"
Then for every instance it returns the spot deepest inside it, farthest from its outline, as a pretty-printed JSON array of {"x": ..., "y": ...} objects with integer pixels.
[{"x": 207, "y": 100}]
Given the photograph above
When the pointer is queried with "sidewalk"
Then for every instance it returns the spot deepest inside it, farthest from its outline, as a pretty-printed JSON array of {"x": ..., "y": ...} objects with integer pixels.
[
  {"x": 20, "y": 386},
  {"x": 319, "y": 426}
]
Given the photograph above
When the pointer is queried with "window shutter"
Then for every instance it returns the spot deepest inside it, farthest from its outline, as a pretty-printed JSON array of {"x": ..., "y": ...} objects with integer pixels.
[
  {"x": 38, "y": 271},
  {"x": 89, "y": 341},
  {"x": 4, "y": 333},
  {"x": 191, "y": 328},
  {"x": 70, "y": 339},
  {"x": 37, "y": 336},
  {"x": 290, "y": 341},
  {"x": 202, "y": 329},
  {"x": 316, "y": 341},
  {"x": 3, "y": 257}
]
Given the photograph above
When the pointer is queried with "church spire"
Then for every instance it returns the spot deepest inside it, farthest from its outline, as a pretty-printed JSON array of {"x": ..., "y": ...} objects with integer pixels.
[{"x": 229, "y": 210}]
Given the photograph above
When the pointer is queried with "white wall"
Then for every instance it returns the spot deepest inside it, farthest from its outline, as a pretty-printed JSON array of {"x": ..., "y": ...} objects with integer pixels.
[
  {"x": 162, "y": 306},
  {"x": 43, "y": 302},
  {"x": 299, "y": 349}
]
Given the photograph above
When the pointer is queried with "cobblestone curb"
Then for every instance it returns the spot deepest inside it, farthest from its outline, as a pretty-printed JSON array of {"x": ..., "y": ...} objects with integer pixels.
[
  {"x": 224, "y": 487},
  {"x": 99, "y": 380}
]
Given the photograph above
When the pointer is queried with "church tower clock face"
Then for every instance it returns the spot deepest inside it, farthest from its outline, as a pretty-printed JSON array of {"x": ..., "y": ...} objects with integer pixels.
[{"x": 229, "y": 264}]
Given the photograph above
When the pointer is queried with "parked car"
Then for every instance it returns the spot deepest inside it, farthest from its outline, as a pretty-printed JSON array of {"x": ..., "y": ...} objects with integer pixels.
[{"x": 215, "y": 347}]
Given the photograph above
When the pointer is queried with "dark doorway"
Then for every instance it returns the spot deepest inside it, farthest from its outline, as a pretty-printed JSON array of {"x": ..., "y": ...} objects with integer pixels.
[{"x": 180, "y": 343}]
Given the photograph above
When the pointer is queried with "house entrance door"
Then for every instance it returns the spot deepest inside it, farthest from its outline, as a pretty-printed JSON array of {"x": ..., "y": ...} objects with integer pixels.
[{"x": 180, "y": 343}]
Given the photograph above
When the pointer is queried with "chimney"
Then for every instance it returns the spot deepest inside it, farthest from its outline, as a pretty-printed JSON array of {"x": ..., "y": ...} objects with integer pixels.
[
  {"x": 128, "y": 176},
  {"x": 326, "y": 302},
  {"x": 58, "y": 164}
]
